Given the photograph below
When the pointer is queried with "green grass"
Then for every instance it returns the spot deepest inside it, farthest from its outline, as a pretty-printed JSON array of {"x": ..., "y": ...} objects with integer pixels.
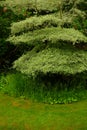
[
  {"x": 20, "y": 114},
  {"x": 43, "y": 89}
]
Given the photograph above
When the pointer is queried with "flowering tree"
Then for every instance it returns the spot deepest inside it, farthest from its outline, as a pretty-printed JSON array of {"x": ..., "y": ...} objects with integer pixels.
[{"x": 57, "y": 44}]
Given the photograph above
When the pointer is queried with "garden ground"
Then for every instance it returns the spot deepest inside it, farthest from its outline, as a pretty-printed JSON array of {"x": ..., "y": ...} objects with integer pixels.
[{"x": 20, "y": 114}]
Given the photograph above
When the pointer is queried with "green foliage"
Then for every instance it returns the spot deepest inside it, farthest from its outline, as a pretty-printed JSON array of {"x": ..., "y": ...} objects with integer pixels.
[
  {"x": 16, "y": 84},
  {"x": 42, "y": 7},
  {"x": 8, "y": 52},
  {"x": 58, "y": 46},
  {"x": 12, "y": 84},
  {"x": 49, "y": 35},
  {"x": 33, "y": 5},
  {"x": 53, "y": 60},
  {"x": 35, "y": 23}
]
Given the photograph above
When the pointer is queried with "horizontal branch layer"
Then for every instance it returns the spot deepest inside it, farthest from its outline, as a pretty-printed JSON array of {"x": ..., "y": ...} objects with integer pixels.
[
  {"x": 54, "y": 61},
  {"x": 50, "y": 35}
]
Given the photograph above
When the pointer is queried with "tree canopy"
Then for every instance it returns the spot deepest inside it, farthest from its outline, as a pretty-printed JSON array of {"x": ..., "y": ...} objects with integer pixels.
[{"x": 56, "y": 32}]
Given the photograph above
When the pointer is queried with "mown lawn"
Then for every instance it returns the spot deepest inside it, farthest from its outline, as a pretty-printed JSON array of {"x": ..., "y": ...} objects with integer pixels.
[{"x": 20, "y": 114}]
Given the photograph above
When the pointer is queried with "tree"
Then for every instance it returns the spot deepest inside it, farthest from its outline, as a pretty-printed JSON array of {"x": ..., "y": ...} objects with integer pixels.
[{"x": 57, "y": 44}]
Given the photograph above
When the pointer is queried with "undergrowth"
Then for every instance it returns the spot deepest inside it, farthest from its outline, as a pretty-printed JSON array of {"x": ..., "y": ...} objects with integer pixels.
[{"x": 44, "y": 89}]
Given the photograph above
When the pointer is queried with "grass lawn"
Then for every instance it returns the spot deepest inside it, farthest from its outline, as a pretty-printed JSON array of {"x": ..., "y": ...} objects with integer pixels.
[{"x": 20, "y": 114}]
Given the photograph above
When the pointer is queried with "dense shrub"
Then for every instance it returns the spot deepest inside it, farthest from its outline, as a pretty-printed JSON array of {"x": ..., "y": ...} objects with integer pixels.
[{"x": 48, "y": 88}]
